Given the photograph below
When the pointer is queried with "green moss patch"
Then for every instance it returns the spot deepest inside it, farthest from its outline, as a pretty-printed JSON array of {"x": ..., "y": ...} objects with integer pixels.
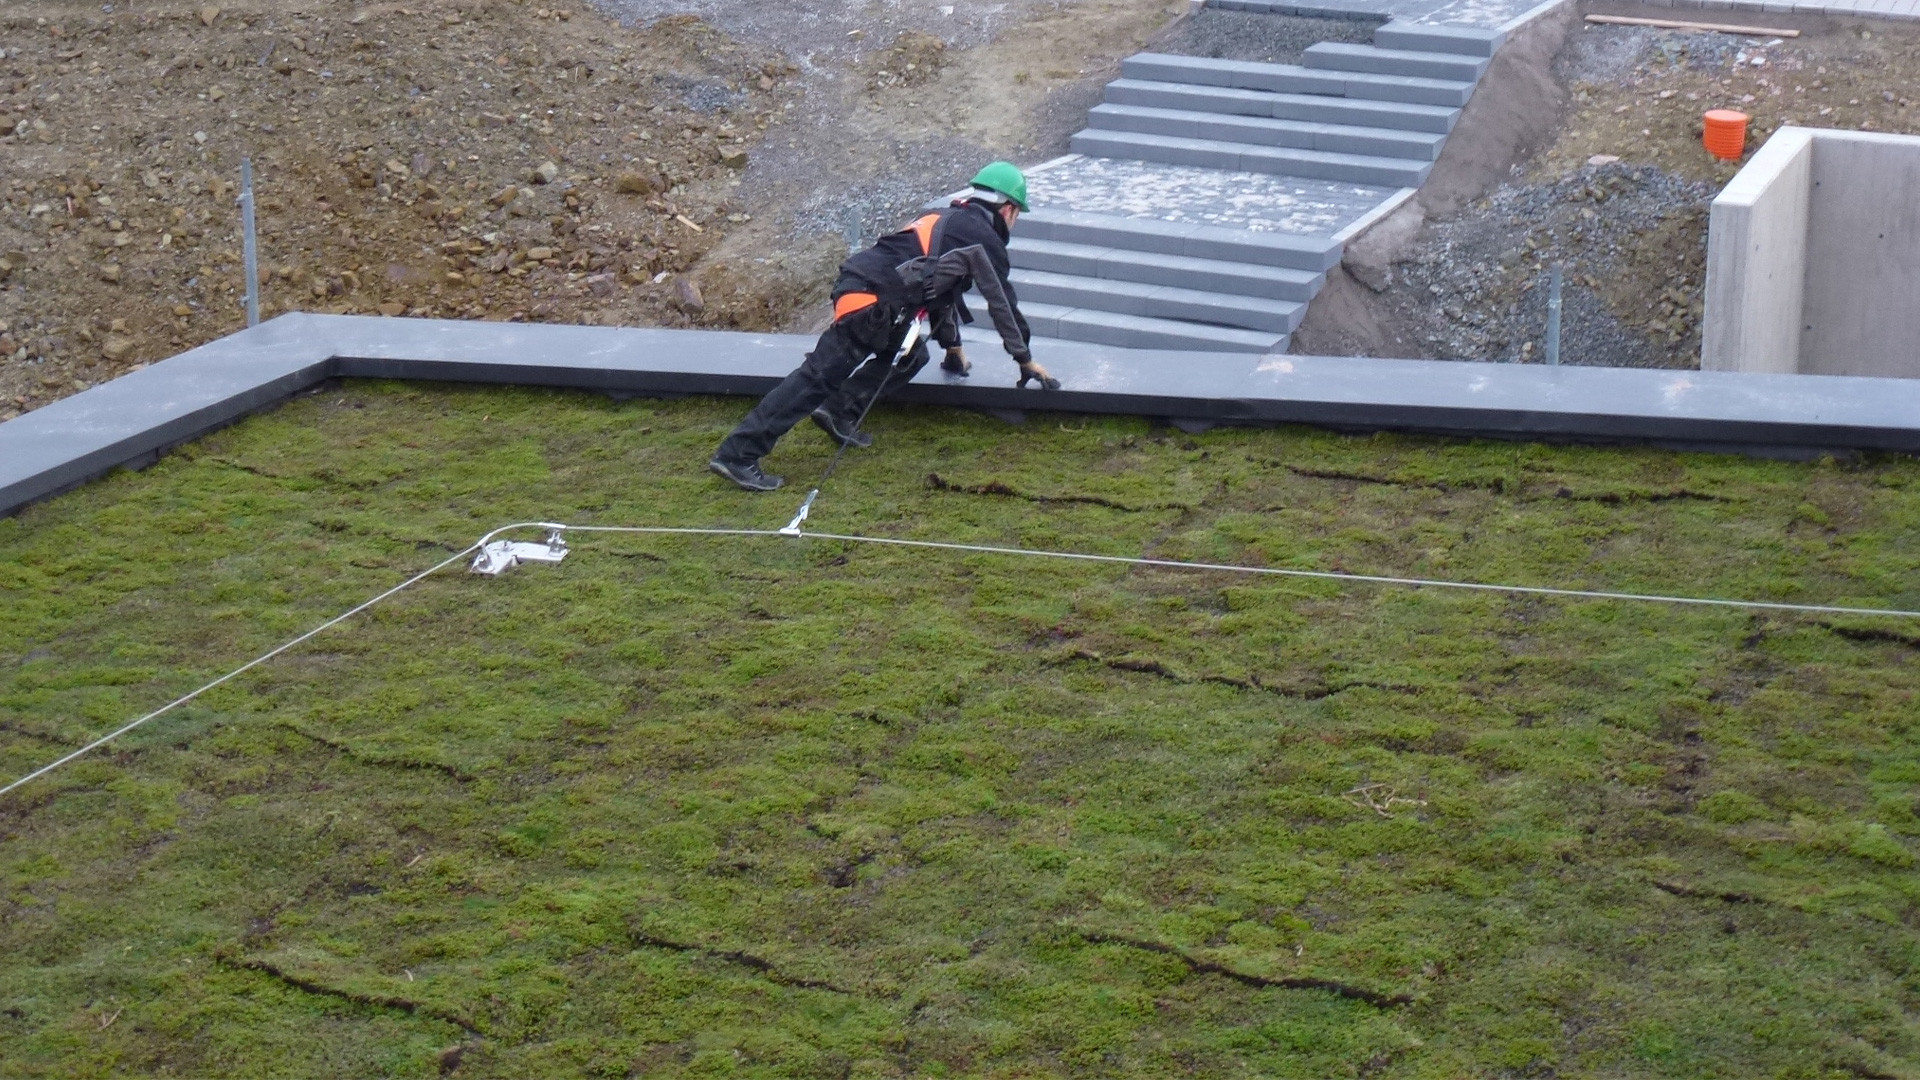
[{"x": 702, "y": 807}]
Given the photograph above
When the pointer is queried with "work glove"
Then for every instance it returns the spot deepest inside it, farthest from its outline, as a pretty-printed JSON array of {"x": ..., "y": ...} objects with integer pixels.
[
  {"x": 1030, "y": 370},
  {"x": 956, "y": 362}
]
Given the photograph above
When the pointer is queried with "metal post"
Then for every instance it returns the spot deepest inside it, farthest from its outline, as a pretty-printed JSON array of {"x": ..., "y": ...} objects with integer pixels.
[
  {"x": 851, "y": 227},
  {"x": 249, "y": 249},
  {"x": 1553, "y": 315}
]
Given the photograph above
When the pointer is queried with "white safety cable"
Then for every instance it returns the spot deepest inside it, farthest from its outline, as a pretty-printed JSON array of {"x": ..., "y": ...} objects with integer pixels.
[
  {"x": 980, "y": 549},
  {"x": 335, "y": 621}
]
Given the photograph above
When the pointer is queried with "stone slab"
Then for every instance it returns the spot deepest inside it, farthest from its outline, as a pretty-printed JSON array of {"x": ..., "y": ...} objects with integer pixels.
[
  {"x": 1426, "y": 37},
  {"x": 1345, "y": 56},
  {"x": 130, "y": 420}
]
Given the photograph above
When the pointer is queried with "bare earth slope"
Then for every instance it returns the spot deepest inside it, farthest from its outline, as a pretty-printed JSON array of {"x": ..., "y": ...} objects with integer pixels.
[{"x": 482, "y": 159}]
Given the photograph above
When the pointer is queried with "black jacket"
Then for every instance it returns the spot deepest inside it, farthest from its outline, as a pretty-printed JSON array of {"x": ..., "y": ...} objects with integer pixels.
[{"x": 962, "y": 225}]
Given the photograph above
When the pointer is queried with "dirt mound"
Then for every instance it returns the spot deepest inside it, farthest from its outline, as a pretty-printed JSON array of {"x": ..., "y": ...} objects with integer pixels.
[{"x": 485, "y": 159}]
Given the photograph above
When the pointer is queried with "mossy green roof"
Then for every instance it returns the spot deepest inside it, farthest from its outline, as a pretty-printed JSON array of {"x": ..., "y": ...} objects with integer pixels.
[{"x": 773, "y": 808}]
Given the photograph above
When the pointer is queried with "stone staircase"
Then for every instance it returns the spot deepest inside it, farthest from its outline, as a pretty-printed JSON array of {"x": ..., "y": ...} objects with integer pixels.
[{"x": 1206, "y": 199}]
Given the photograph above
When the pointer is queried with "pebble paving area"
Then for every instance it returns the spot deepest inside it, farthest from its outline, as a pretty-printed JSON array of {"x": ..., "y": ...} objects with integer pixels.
[{"x": 1256, "y": 202}]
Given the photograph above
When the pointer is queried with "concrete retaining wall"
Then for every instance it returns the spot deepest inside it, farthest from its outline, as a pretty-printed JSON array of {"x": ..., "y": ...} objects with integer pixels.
[
  {"x": 1757, "y": 260},
  {"x": 1813, "y": 258}
]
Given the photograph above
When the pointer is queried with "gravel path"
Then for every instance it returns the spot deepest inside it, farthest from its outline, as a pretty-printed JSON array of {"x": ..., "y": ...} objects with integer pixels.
[
  {"x": 1268, "y": 39},
  {"x": 822, "y": 33}
]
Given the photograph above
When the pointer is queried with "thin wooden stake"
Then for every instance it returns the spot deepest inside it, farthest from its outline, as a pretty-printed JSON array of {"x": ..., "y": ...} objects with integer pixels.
[{"x": 1678, "y": 24}]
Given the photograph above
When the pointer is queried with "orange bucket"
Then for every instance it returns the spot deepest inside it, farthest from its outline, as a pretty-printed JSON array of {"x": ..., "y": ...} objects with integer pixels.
[{"x": 1726, "y": 134}]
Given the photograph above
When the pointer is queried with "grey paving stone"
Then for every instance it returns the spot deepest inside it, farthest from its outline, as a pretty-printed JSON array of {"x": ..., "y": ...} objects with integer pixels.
[
  {"x": 1153, "y": 268},
  {"x": 1058, "y": 256},
  {"x": 1397, "y": 115},
  {"x": 1342, "y": 56},
  {"x": 1159, "y": 301},
  {"x": 1314, "y": 108},
  {"x": 1447, "y": 92},
  {"x": 1199, "y": 153},
  {"x": 1137, "y": 234},
  {"x": 1214, "y": 275},
  {"x": 1121, "y": 297},
  {"x": 1378, "y": 142},
  {"x": 1428, "y": 37},
  {"x": 1255, "y": 202},
  {"x": 1221, "y": 309},
  {"x": 1322, "y": 165},
  {"x": 1167, "y": 67},
  {"x": 1169, "y": 95},
  {"x": 1316, "y": 253},
  {"x": 1179, "y": 122},
  {"x": 1288, "y": 79},
  {"x": 1137, "y": 331}
]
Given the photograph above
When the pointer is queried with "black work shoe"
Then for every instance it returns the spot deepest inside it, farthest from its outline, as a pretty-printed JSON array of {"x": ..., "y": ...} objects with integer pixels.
[
  {"x": 845, "y": 436},
  {"x": 746, "y": 473}
]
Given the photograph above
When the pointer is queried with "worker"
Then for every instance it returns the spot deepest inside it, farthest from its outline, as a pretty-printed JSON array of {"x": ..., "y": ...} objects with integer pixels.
[{"x": 925, "y": 267}]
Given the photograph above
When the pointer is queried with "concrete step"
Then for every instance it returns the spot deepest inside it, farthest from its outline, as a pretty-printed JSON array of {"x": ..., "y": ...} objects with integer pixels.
[
  {"x": 1123, "y": 331},
  {"x": 1265, "y": 131},
  {"x": 1316, "y": 254},
  {"x": 1207, "y": 275},
  {"x": 1342, "y": 56},
  {"x": 1312, "y": 108},
  {"x": 1294, "y": 79},
  {"x": 1159, "y": 301},
  {"x": 1247, "y": 157},
  {"x": 1430, "y": 37}
]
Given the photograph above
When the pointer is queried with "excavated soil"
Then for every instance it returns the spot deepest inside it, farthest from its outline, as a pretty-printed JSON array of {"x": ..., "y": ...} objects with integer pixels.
[
  {"x": 489, "y": 159},
  {"x": 484, "y": 159},
  {"x": 1594, "y": 162}
]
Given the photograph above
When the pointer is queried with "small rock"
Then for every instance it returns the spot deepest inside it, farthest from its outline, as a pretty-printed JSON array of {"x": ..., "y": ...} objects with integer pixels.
[
  {"x": 733, "y": 157},
  {"x": 182, "y": 310},
  {"x": 601, "y": 285},
  {"x": 1603, "y": 159},
  {"x": 504, "y": 196},
  {"x": 110, "y": 273},
  {"x": 422, "y": 165},
  {"x": 687, "y": 295},
  {"x": 118, "y": 347},
  {"x": 208, "y": 14},
  {"x": 216, "y": 94},
  {"x": 547, "y": 173},
  {"x": 359, "y": 18},
  {"x": 539, "y": 254},
  {"x": 391, "y": 309},
  {"x": 634, "y": 183}
]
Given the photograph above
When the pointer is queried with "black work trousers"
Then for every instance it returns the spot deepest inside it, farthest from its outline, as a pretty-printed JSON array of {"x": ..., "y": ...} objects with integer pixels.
[{"x": 848, "y": 365}]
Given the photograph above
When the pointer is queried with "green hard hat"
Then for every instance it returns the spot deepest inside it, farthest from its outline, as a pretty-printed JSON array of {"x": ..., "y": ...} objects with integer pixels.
[{"x": 1006, "y": 179}]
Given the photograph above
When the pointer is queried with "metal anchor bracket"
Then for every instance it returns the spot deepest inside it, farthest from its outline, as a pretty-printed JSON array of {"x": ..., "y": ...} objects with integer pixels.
[
  {"x": 799, "y": 519},
  {"x": 501, "y": 556}
]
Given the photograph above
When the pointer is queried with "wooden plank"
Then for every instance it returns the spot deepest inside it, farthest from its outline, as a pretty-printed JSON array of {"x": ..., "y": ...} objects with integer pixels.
[{"x": 1678, "y": 24}]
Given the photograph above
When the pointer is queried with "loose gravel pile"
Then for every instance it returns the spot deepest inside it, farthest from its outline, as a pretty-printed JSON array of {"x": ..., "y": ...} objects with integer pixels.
[{"x": 1630, "y": 240}]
